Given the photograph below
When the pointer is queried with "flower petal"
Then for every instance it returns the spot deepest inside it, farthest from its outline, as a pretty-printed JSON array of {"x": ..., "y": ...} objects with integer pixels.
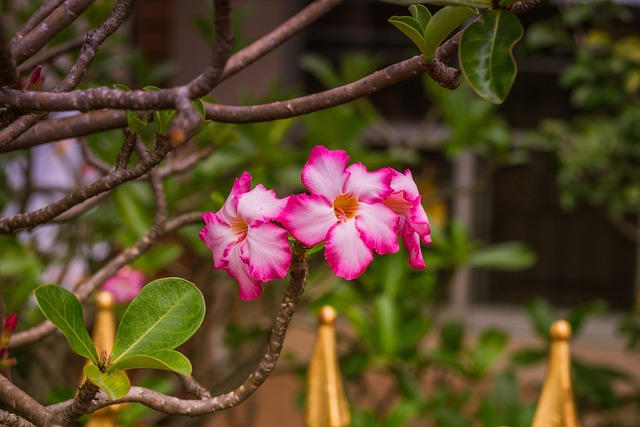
[
  {"x": 419, "y": 220},
  {"x": 404, "y": 183},
  {"x": 259, "y": 205},
  {"x": 217, "y": 236},
  {"x": 240, "y": 186},
  {"x": 368, "y": 186},
  {"x": 267, "y": 252},
  {"x": 250, "y": 287},
  {"x": 345, "y": 251},
  {"x": 324, "y": 172},
  {"x": 411, "y": 241},
  {"x": 308, "y": 218},
  {"x": 377, "y": 225}
]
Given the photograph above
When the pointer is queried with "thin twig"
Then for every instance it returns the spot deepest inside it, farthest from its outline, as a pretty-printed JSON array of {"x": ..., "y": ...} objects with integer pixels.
[
  {"x": 32, "y": 219},
  {"x": 47, "y": 55}
]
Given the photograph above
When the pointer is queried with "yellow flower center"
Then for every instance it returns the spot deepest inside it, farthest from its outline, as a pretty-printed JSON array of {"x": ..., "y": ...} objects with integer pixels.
[
  {"x": 345, "y": 207},
  {"x": 239, "y": 227}
]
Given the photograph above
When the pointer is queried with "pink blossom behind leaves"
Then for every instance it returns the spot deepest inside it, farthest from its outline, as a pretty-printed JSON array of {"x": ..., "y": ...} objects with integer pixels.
[{"x": 125, "y": 284}]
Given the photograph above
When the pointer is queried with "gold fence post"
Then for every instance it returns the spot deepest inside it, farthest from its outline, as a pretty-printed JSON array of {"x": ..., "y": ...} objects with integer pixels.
[
  {"x": 326, "y": 404},
  {"x": 104, "y": 333},
  {"x": 556, "y": 407}
]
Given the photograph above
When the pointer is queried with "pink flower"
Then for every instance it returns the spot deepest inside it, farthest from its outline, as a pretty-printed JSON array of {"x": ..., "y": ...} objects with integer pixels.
[
  {"x": 243, "y": 240},
  {"x": 414, "y": 224},
  {"x": 125, "y": 284},
  {"x": 345, "y": 208}
]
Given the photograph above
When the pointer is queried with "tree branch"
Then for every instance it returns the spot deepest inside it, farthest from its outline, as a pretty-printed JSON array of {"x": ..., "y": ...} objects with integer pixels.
[
  {"x": 278, "y": 36},
  {"x": 330, "y": 98},
  {"x": 8, "y": 70},
  {"x": 80, "y": 404},
  {"x": 38, "y": 16},
  {"x": 12, "y": 420},
  {"x": 24, "y": 46},
  {"x": 206, "y": 81},
  {"x": 22, "y": 403}
]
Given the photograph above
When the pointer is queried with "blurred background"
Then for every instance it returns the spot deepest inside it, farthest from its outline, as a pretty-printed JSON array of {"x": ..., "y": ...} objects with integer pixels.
[{"x": 534, "y": 207}]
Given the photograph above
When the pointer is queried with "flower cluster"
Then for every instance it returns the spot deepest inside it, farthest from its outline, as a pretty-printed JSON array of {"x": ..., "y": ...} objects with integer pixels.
[{"x": 352, "y": 210}]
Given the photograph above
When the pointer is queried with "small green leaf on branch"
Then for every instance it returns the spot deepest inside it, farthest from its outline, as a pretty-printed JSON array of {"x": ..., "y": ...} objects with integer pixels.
[
  {"x": 115, "y": 383},
  {"x": 63, "y": 309}
]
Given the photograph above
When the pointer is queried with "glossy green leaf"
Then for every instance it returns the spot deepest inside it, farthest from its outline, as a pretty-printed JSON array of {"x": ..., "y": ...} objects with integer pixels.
[
  {"x": 116, "y": 383},
  {"x": 410, "y": 28},
  {"x": 168, "y": 360},
  {"x": 165, "y": 313},
  {"x": 442, "y": 24},
  {"x": 483, "y": 4},
  {"x": 421, "y": 14},
  {"x": 486, "y": 56},
  {"x": 63, "y": 309}
]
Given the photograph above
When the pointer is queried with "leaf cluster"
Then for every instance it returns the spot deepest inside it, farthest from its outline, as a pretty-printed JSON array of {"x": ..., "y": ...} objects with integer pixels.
[
  {"x": 165, "y": 314},
  {"x": 485, "y": 52}
]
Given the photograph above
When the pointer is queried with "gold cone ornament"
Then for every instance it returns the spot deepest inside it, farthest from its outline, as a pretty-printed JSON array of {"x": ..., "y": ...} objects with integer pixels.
[
  {"x": 326, "y": 404},
  {"x": 556, "y": 407},
  {"x": 104, "y": 333}
]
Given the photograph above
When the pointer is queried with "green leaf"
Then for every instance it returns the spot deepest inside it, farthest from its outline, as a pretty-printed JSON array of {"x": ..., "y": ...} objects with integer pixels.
[
  {"x": 168, "y": 360},
  {"x": 421, "y": 14},
  {"x": 63, "y": 309},
  {"x": 483, "y": 4},
  {"x": 116, "y": 384},
  {"x": 503, "y": 256},
  {"x": 165, "y": 313},
  {"x": 442, "y": 24},
  {"x": 411, "y": 28},
  {"x": 486, "y": 56}
]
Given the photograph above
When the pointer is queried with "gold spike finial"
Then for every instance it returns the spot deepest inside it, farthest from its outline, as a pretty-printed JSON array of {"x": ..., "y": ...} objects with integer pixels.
[
  {"x": 104, "y": 333},
  {"x": 326, "y": 402},
  {"x": 556, "y": 407}
]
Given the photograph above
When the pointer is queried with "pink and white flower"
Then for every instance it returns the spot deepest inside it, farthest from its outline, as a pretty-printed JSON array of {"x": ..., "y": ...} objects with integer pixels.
[
  {"x": 345, "y": 208},
  {"x": 125, "y": 284},
  {"x": 243, "y": 240},
  {"x": 414, "y": 224}
]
